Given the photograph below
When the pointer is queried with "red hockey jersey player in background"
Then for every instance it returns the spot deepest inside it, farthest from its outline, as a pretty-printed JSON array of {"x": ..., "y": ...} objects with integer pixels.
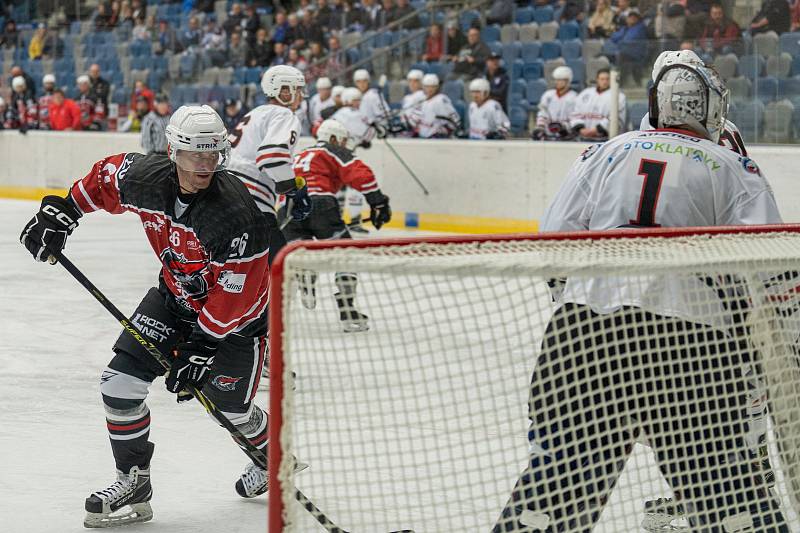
[{"x": 327, "y": 167}]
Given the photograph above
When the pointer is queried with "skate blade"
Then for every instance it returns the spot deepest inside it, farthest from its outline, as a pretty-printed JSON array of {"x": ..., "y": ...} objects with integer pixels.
[
  {"x": 355, "y": 327},
  {"x": 139, "y": 512}
]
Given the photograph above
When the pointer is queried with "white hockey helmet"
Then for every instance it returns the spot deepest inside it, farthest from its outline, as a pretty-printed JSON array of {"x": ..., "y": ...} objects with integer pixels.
[
  {"x": 430, "y": 80},
  {"x": 350, "y": 95},
  {"x": 480, "y": 85},
  {"x": 280, "y": 76},
  {"x": 688, "y": 95},
  {"x": 415, "y": 74},
  {"x": 197, "y": 139},
  {"x": 361, "y": 74},
  {"x": 83, "y": 78},
  {"x": 18, "y": 82},
  {"x": 563, "y": 73},
  {"x": 337, "y": 90},
  {"x": 675, "y": 57},
  {"x": 332, "y": 128},
  {"x": 324, "y": 83},
  {"x": 48, "y": 78}
]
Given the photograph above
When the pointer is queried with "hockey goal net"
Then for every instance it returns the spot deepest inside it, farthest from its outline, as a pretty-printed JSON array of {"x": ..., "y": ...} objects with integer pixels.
[{"x": 560, "y": 382}]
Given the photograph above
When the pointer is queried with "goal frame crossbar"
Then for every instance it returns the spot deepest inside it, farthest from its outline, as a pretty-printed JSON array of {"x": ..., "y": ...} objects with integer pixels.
[{"x": 276, "y": 509}]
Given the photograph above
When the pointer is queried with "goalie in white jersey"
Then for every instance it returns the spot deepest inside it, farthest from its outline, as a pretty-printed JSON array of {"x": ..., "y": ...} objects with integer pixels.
[
  {"x": 648, "y": 355},
  {"x": 555, "y": 108},
  {"x": 436, "y": 118},
  {"x": 263, "y": 145},
  {"x": 486, "y": 117}
]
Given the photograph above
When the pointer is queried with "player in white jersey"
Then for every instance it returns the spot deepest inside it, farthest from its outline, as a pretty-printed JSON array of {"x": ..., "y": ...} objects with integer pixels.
[
  {"x": 486, "y": 117},
  {"x": 678, "y": 342},
  {"x": 731, "y": 138},
  {"x": 361, "y": 134},
  {"x": 263, "y": 147},
  {"x": 436, "y": 117},
  {"x": 373, "y": 104},
  {"x": 322, "y": 100},
  {"x": 302, "y": 114},
  {"x": 556, "y": 107},
  {"x": 590, "y": 119}
]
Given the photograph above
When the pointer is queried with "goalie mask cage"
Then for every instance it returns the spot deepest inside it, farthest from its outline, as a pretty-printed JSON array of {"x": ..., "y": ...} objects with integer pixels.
[{"x": 551, "y": 382}]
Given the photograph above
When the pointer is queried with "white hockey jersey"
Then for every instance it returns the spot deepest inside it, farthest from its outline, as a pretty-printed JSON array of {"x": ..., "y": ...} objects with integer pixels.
[
  {"x": 593, "y": 108},
  {"x": 302, "y": 114},
  {"x": 731, "y": 138},
  {"x": 435, "y": 117},
  {"x": 486, "y": 119},
  {"x": 413, "y": 100},
  {"x": 316, "y": 105},
  {"x": 262, "y": 151},
  {"x": 374, "y": 107},
  {"x": 356, "y": 124},
  {"x": 667, "y": 178},
  {"x": 554, "y": 107}
]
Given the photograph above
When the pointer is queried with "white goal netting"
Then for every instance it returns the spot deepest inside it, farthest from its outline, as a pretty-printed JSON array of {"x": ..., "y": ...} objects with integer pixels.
[{"x": 608, "y": 385}]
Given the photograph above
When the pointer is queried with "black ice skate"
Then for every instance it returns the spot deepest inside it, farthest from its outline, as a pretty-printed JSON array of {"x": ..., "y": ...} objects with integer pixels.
[
  {"x": 126, "y": 501},
  {"x": 352, "y": 320},
  {"x": 253, "y": 481},
  {"x": 356, "y": 227}
]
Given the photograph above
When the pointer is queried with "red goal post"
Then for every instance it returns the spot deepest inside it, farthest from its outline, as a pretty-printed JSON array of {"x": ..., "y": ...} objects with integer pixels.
[{"x": 784, "y": 395}]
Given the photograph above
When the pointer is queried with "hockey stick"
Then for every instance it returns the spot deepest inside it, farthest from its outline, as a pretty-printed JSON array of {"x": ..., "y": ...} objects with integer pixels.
[{"x": 259, "y": 457}]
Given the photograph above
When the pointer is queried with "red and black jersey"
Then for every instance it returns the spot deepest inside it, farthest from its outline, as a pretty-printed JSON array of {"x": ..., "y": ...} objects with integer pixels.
[
  {"x": 92, "y": 112},
  {"x": 44, "y": 111},
  {"x": 327, "y": 168},
  {"x": 213, "y": 256},
  {"x": 26, "y": 111}
]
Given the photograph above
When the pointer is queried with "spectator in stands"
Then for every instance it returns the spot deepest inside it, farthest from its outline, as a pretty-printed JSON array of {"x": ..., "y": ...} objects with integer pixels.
[
  {"x": 317, "y": 64},
  {"x": 235, "y": 18},
  {"x": 64, "y": 113},
  {"x": 138, "y": 9},
  {"x": 237, "y": 50},
  {"x": 167, "y": 39},
  {"x": 296, "y": 60},
  {"x": 101, "y": 18},
  {"x": 621, "y": 18},
  {"x": 30, "y": 86},
  {"x": 293, "y": 33},
  {"x": 601, "y": 23},
  {"x": 53, "y": 46},
  {"x": 632, "y": 42},
  {"x": 403, "y": 10},
  {"x": 260, "y": 52},
  {"x": 136, "y": 116},
  {"x": 10, "y": 35},
  {"x": 337, "y": 59},
  {"x": 354, "y": 17},
  {"x": 92, "y": 115},
  {"x": 372, "y": 14},
  {"x": 308, "y": 31},
  {"x": 193, "y": 34},
  {"x": 113, "y": 15},
  {"x": 36, "y": 47},
  {"x": 140, "y": 31},
  {"x": 252, "y": 23},
  {"x": 140, "y": 90},
  {"x": 154, "y": 125},
  {"x": 591, "y": 117},
  {"x": 126, "y": 14},
  {"x": 44, "y": 101},
  {"x": 570, "y": 10},
  {"x": 232, "y": 113},
  {"x": 498, "y": 80},
  {"x": 455, "y": 40},
  {"x": 281, "y": 28},
  {"x": 100, "y": 86},
  {"x": 324, "y": 15},
  {"x": 471, "y": 59},
  {"x": 386, "y": 16},
  {"x": 204, "y": 6},
  {"x": 500, "y": 12},
  {"x": 721, "y": 34},
  {"x": 773, "y": 16},
  {"x": 434, "y": 44},
  {"x": 214, "y": 45},
  {"x": 278, "y": 54},
  {"x": 336, "y": 19}
]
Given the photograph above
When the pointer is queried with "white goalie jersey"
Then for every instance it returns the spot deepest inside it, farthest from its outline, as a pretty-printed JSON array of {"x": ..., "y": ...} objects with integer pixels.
[
  {"x": 436, "y": 117},
  {"x": 668, "y": 178},
  {"x": 487, "y": 119},
  {"x": 554, "y": 107},
  {"x": 262, "y": 151}
]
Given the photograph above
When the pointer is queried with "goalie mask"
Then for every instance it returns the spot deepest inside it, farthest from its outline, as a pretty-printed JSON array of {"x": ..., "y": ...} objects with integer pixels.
[
  {"x": 197, "y": 140},
  {"x": 689, "y": 95}
]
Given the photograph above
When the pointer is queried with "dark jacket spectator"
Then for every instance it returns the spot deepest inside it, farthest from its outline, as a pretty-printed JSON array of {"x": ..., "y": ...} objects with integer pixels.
[
  {"x": 500, "y": 12},
  {"x": 324, "y": 15},
  {"x": 102, "y": 18},
  {"x": 279, "y": 54},
  {"x": 100, "y": 86},
  {"x": 235, "y": 18},
  {"x": 403, "y": 10},
  {"x": 10, "y": 35},
  {"x": 280, "y": 30},
  {"x": 64, "y": 113},
  {"x": 252, "y": 23},
  {"x": 471, "y": 59},
  {"x": 455, "y": 40},
  {"x": 309, "y": 31},
  {"x": 720, "y": 33},
  {"x": 570, "y": 10},
  {"x": 498, "y": 80},
  {"x": 260, "y": 52},
  {"x": 387, "y": 14},
  {"x": 193, "y": 34},
  {"x": 355, "y": 19},
  {"x": 166, "y": 38},
  {"x": 632, "y": 42},
  {"x": 372, "y": 14},
  {"x": 773, "y": 16},
  {"x": 434, "y": 44}
]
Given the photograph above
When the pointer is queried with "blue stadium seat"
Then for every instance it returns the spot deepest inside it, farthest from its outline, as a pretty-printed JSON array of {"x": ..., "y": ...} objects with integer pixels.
[
  {"x": 518, "y": 116},
  {"x": 572, "y": 49},
  {"x": 749, "y": 117},
  {"x": 253, "y": 75},
  {"x": 496, "y": 47},
  {"x": 467, "y": 18},
  {"x": 155, "y": 78},
  {"x": 121, "y": 95},
  {"x": 790, "y": 43},
  {"x": 523, "y": 15},
  {"x": 610, "y": 49},
  {"x": 139, "y": 63},
  {"x": 751, "y": 66},
  {"x": 384, "y": 39},
  {"x": 117, "y": 78},
  {"x": 436, "y": 67},
  {"x": 543, "y": 14},
  {"x": 789, "y": 87},
  {"x": 461, "y": 109},
  {"x": 512, "y": 51},
  {"x": 795, "y": 66},
  {"x": 454, "y": 89},
  {"x": 636, "y": 110},
  {"x": 490, "y": 33},
  {"x": 551, "y": 50},
  {"x": 516, "y": 68},
  {"x": 420, "y": 65},
  {"x": 578, "y": 73},
  {"x": 353, "y": 55},
  {"x": 766, "y": 89},
  {"x": 191, "y": 93},
  {"x": 516, "y": 91},
  {"x": 531, "y": 51},
  {"x": 569, "y": 30},
  {"x": 239, "y": 75},
  {"x": 535, "y": 90},
  {"x": 533, "y": 70}
]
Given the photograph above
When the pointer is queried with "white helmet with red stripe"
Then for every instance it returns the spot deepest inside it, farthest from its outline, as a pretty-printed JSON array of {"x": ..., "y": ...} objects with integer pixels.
[{"x": 198, "y": 130}]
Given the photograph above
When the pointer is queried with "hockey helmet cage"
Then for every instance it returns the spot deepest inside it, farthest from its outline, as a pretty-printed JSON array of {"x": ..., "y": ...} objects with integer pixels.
[
  {"x": 197, "y": 128},
  {"x": 332, "y": 128},
  {"x": 280, "y": 76},
  {"x": 675, "y": 57},
  {"x": 693, "y": 96}
]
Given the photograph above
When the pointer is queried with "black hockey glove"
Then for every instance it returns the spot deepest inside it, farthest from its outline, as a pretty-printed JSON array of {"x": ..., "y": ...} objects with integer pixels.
[
  {"x": 301, "y": 201},
  {"x": 50, "y": 227},
  {"x": 366, "y": 145},
  {"x": 192, "y": 364},
  {"x": 379, "y": 210},
  {"x": 495, "y": 136},
  {"x": 538, "y": 134}
]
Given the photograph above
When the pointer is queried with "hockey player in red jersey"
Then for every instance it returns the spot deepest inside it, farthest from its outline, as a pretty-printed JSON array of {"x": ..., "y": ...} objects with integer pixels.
[
  {"x": 209, "y": 307},
  {"x": 327, "y": 167}
]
